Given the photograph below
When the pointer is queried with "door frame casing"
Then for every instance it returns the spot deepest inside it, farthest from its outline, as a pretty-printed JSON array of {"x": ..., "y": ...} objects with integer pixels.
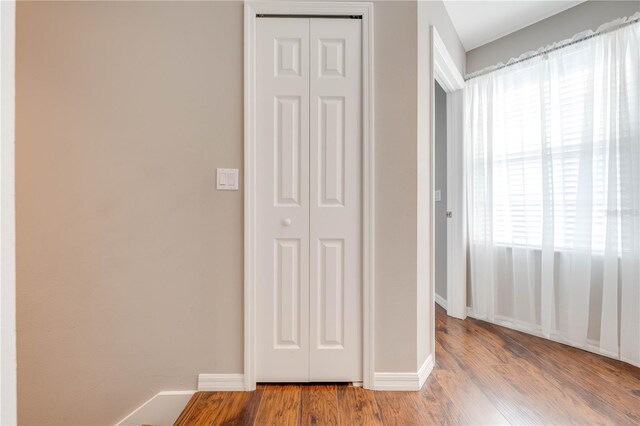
[
  {"x": 8, "y": 369},
  {"x": 445, "y": 72},
  {"x": 251, "y": 10}
]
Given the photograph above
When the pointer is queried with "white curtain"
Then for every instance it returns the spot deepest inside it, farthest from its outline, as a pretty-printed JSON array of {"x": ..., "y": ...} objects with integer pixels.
[{"x": 553, "y": 158}]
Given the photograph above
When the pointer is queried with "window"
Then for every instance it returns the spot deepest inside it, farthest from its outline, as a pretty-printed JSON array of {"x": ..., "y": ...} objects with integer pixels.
[
  {"x": 553, "y": 169},
  {"x": 554, "y": 157}
]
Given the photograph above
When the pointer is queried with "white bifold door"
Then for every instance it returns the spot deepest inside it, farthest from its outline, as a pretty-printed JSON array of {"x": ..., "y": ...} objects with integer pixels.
[{"x": 309, "y": 217}]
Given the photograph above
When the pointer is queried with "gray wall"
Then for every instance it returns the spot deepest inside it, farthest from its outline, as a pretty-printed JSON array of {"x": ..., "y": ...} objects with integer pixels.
[
  {"x": 129, "y": 261},
  {"x": 441, "y": 184},
  {"x": 585, "y": 16}
]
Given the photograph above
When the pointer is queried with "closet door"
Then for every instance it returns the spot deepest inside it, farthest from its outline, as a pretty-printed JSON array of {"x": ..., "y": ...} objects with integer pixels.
[
  {"x": 335, "y": 200},
  {"x": 309, "y": 182},
  {"x": 282, "y": 132}
]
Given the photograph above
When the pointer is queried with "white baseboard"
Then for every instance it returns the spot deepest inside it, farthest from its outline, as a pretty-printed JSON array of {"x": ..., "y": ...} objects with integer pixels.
[
  {"x": 221, "y": 382},
  {"x": 425, "y": 370},
  {"x": 441, "y": 301},
  {"x": 404, "y": 381},
  {"x": 163, "y": 409},
  {"x": 412, "y": 381},
  {"x": 590, "y": 346}
]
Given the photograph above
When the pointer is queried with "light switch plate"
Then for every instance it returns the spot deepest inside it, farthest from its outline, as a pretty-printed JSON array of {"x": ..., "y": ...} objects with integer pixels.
[
  {"x": 227, "y": 179},
  {"x": 437, "y": 195}
]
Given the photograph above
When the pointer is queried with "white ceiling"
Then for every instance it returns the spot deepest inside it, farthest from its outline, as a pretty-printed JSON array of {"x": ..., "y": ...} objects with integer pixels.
[{"x": 480, "y": 22}]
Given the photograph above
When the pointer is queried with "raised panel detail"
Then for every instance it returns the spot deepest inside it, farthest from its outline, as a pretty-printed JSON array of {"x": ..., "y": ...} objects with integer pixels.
[
  {"x": 287, "y": 293},
  {"x": 287, "y": 60},
  {"x": 331, "y": 57},
  {"x": 331, "y": 156},
  {"x": 331, "y": 294},
  {"x": 287, "y": 150}
]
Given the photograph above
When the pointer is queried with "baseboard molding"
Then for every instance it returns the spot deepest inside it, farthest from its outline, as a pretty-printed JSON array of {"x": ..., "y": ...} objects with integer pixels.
[
  {"x": 441, "y": 301},
  {"x": 221, "y": 382},
  {"x": 163, "y": 409},
  {"x": 425, "y": 370},
  {"x": 404, "y": 381},
  {"x": 589, "y": 347},
  {"x": 382, "y": 381}
]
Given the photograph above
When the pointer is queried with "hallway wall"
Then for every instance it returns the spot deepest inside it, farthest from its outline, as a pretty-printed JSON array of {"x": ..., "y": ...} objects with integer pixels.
[{"x": 129, "y": 261}]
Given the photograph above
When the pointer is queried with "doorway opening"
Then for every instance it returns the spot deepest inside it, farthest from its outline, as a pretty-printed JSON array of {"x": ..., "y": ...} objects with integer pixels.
[
  {"x": 448, "y": 207},
  {"x": 440, "y": 195}
]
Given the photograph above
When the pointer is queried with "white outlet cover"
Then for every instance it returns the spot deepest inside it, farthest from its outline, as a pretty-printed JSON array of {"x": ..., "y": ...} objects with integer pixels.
[
  {"x": 437, "y": 195},
  {"x": 227, "y": 179}
]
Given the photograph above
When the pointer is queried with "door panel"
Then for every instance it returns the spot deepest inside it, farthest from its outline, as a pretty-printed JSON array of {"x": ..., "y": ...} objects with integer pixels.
[
  {"x": 286, "y": 297},
  {"x": 282, "y": 132},
  {"x": 331, "y": 150},
  {"x": 331, "y": 294},
  {"x": 287, "y": 150},
  {"x": 335, "y": 200}
]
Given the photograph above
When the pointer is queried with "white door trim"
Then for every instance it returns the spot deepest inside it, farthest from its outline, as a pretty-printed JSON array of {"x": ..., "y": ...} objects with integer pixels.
[
  {"x": 445, "y": 72},
  {"x": 251, "y": 10},
  {"x": 8, "y": 390}
]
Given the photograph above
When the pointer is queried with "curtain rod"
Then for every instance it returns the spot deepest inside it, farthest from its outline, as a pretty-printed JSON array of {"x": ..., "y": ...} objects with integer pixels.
[{"x": 553, "y": 49}]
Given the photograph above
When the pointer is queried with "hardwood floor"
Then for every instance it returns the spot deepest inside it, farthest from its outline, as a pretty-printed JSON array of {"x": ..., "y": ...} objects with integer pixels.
[{"x": 484, "y": 374}]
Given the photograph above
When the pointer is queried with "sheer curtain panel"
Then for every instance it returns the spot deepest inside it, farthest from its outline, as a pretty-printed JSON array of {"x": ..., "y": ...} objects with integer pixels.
[{"x": 553, "y": 157}]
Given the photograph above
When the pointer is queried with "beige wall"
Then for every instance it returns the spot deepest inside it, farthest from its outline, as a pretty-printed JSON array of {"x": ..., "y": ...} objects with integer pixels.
[
  {"x": 395, "y": 215},
  {"x": 129, "y": 261},
  {"x": 588, "y": 15}
]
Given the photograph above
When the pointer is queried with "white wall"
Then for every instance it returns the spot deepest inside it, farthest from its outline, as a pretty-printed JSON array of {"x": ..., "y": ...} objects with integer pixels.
[{"x": 585, "y": 16}]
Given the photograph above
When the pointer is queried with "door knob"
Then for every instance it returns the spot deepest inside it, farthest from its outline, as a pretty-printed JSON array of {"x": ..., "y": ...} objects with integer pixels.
[
  {"x": 286, "y": 222},
  {"x": 449, "y": 215}
]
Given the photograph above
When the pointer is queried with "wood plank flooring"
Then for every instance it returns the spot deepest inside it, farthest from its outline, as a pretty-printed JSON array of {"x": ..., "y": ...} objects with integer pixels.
[{"x": 484, "y": 375}]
